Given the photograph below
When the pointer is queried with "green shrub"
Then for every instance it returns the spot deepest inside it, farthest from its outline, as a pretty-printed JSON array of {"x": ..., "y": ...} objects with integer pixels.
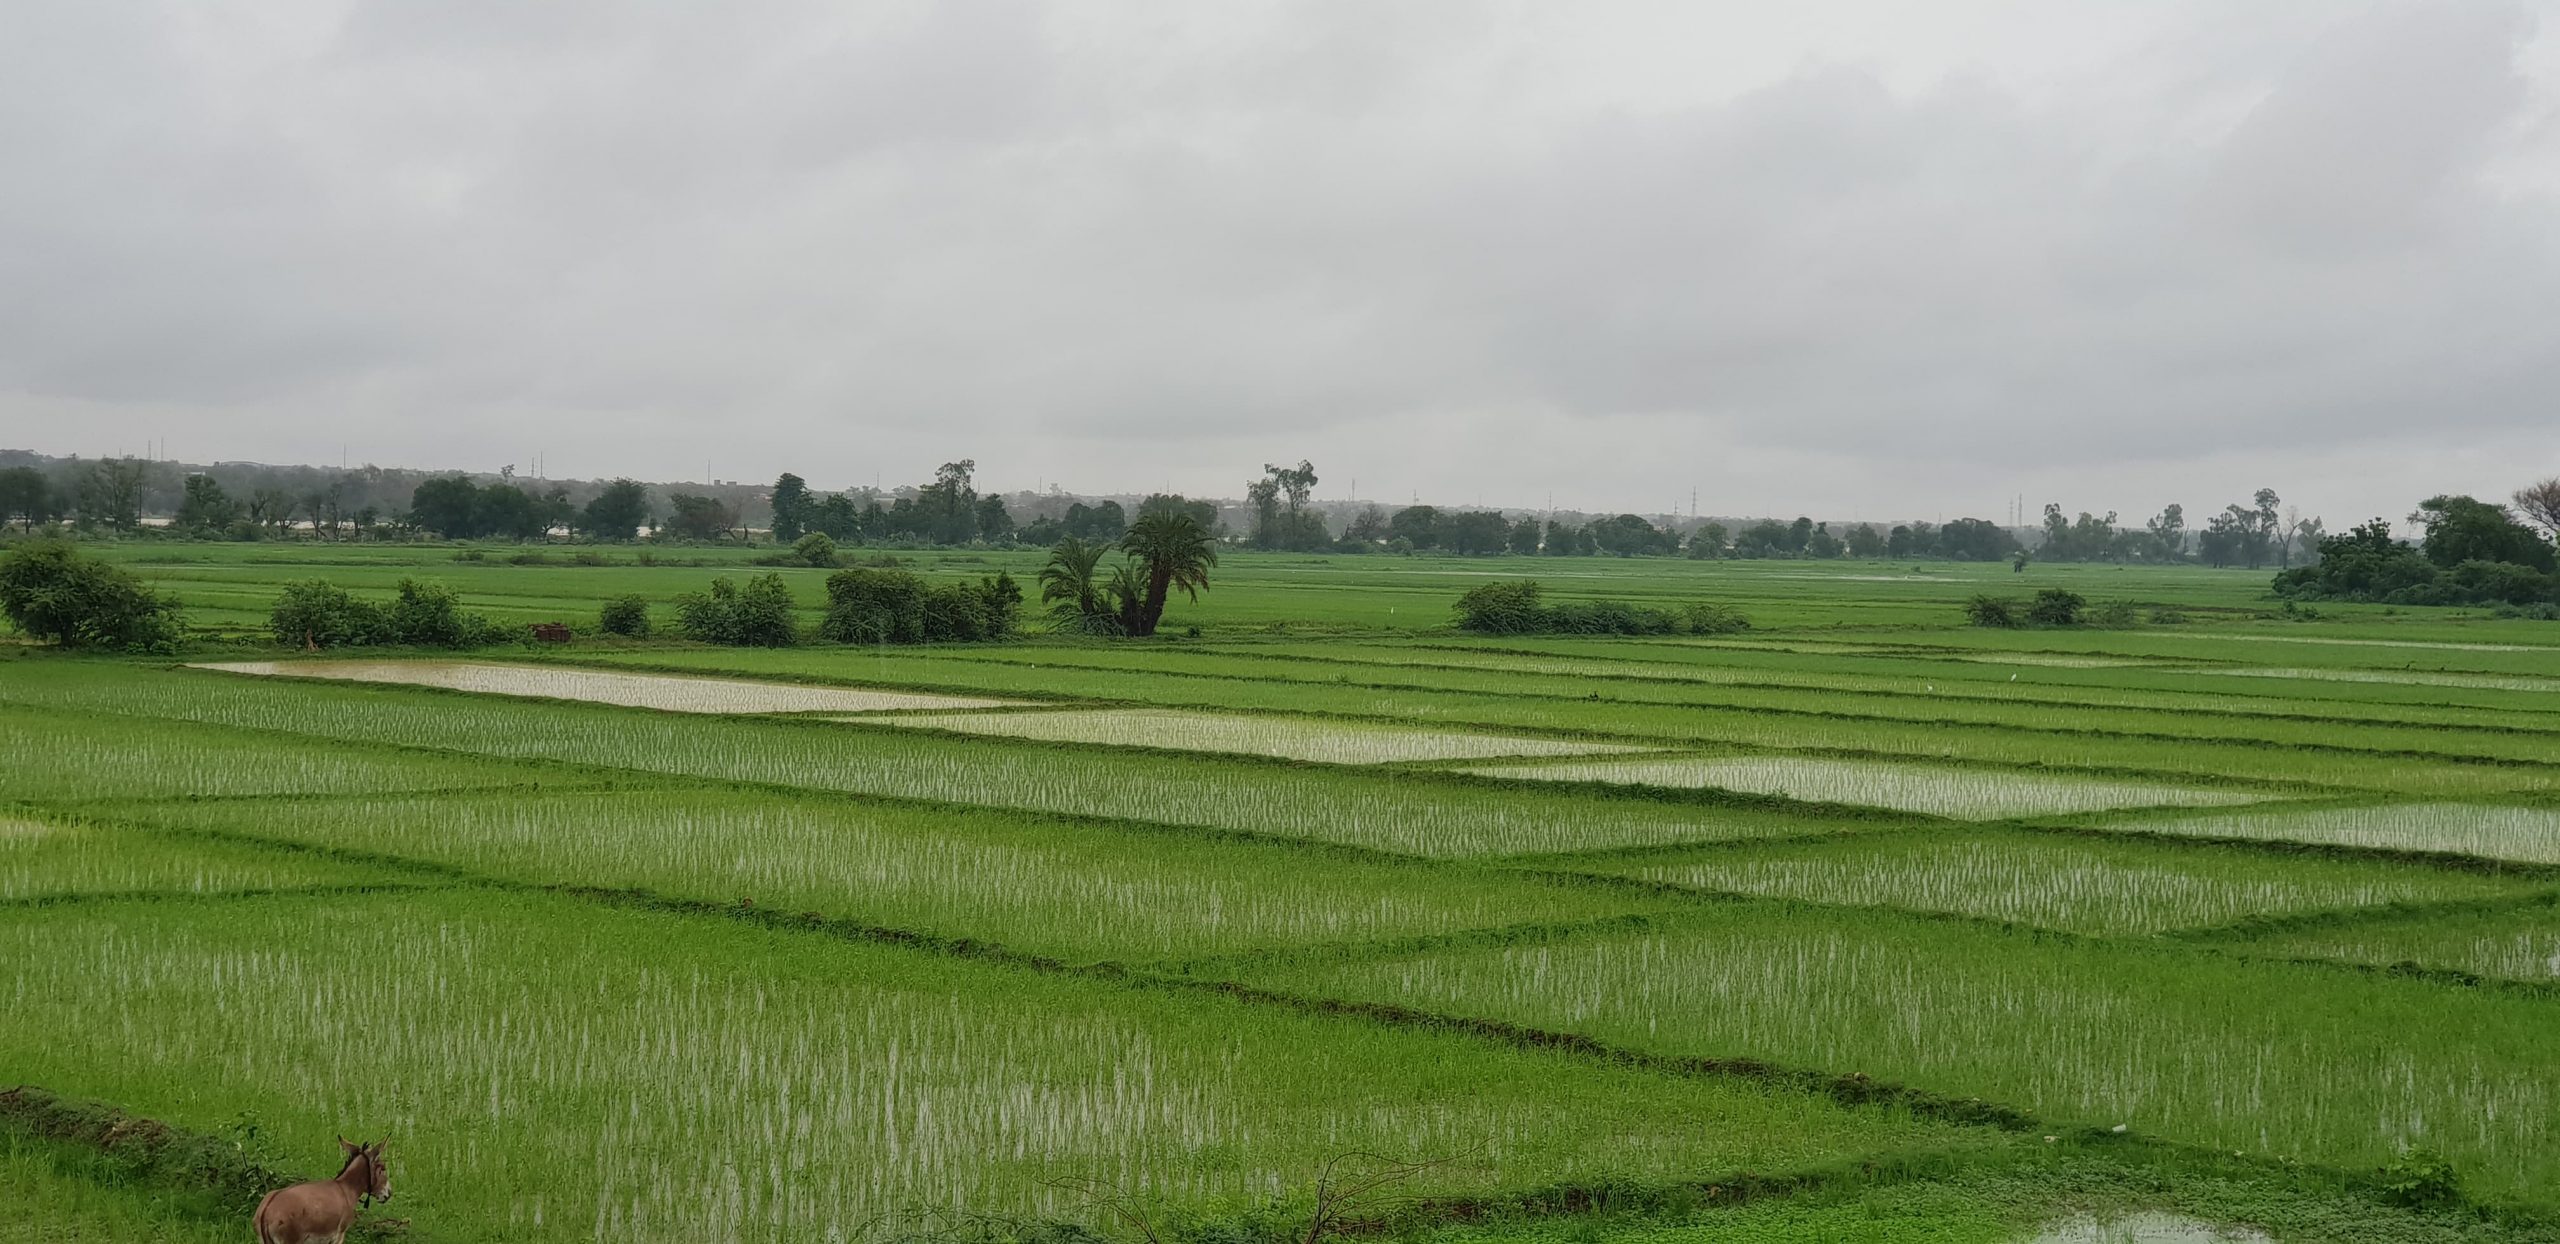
[
  {"x": 1608, "y": 617},
  {"x": 1709, "y": 619},
  {"x": 319, "y": 614},
  {"x": 430, "y": 615},
  {"x": 816, "y": 549},
  {"x": 1990, "y": 611},
  {"x": 624, "y": 615},
  {"x": 2420, "y": 1178},
  {"x": 1516, "y": 608},
  {"x": 588, "y": 557},
  {"x": 759, "y": 617},
  {"x": 866, "y": 606},
  {"x": 49, "y": 591},
  {"x": 2116, "y": 613},
  {"x": 2056, "y": 607},
  {"x": 1502, "y": 609}
]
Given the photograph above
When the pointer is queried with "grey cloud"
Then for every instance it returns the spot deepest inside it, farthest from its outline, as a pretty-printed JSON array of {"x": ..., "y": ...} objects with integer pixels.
[{"x": 1132, "y": 246}]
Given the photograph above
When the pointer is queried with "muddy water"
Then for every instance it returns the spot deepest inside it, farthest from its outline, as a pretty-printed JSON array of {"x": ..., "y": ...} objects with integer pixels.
[
  {"x": 668, "y": 693},
  {"x": 2145, "y": 1228}
]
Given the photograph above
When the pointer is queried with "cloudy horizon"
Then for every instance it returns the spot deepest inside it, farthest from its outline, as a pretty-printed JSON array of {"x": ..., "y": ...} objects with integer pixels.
[{"x": 1858, "y": 260}]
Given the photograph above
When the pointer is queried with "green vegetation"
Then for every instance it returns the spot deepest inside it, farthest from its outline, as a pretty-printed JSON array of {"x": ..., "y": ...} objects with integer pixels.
[
  {"x": 760, "y": 616},
  {"x": 1817, "y": 929},
  {"x": 2266, "y": 1058},
  {"x": 1049, "y": 887},
  {"x": 894, "y": 607},
  {"x": 49, "y": 591},
  {"x": 318, "y": 614},
  {"x": 2518, "y": 941},
  {"x": 2081, "y": 883},
  {"x": 660, "y": 1072},
  {"x": 1518, "y": 608}
]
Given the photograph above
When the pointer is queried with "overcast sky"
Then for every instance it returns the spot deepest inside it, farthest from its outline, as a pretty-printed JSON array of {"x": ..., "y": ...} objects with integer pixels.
[{"x": 1857, "y": 260}]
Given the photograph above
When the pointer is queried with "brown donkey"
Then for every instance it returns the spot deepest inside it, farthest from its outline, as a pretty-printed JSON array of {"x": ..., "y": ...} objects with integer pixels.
[{"x": 320, "y": 1212}]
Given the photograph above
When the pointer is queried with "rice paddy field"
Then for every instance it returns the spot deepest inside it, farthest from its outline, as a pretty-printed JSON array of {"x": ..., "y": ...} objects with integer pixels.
[{"x": 1858, "y": 925}]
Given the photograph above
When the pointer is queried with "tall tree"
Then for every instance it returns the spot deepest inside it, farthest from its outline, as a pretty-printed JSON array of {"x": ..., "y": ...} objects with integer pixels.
[
  {"x": 2168, "y": 531},
  {"x": 2264, "y": 525},
  {"x": 110, "y": 492},
  {"x": 2539, "y": 503},
  {"x": 506, "y": 510},
  {"x": 1478, "y": 531},
  {"x": 699, "y": 517},
  {"x": 1281, "y": 519},
  {"x": 617, "y": 512},
  {"x": 994, "y": 521},
  {"x": 790, "y": 507},
  {"x": 2464, "y": 529},
  {"x": 445, "y": 505},
  {"x": 1417, "y": 525},
  {"x": 1369, "y": 526},
  {"x": 948, "y": 507},
  {"x": 1173, "y": 551},
  {"x": 205, "y": 508},
  {"x": 270, "y": 509},
  {"x": 26, "y": 495}
]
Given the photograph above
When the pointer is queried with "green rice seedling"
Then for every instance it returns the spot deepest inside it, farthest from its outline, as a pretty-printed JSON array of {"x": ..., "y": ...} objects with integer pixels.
[
  {"x": 1966, "y": 794},
  {"x": 2178, "y": 687},
  {"x": 2083, "y": 884},
  {"x": 548, "y": 1069},
  {"x": 2410, "y": 678},
  {"x": 2263, "y": 1057},
  {"x": 1921, "y": 680},
  {"x": 656, "y": 691},
  {"x": 58, "y": 755},
  {"x": 1070, "y": 889},
  {"x": 2528, "y": 835},
  {"x": 1388, "y": 810},
  {"x": 2071, "y": 1192},
  {"x": 44, "y": 859},
  {"x": 2517, "y": 943},
  {"x": 1295, "y": 738}
]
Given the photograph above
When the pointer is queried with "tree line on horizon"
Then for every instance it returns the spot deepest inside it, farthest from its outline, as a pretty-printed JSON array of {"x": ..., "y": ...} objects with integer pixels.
[{"x": 109, "y": 494}]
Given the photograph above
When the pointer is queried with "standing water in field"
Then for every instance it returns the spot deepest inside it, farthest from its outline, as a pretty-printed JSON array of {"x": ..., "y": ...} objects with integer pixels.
[{"x": 665, "y": 692}]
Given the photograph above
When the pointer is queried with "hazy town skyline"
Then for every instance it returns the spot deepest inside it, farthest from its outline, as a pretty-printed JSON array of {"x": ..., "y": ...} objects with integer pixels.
[{"x": 1848, "y": 259}]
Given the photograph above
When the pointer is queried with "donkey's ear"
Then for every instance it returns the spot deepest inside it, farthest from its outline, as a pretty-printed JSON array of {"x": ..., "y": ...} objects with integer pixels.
[{"x": 342, "y": 1143}]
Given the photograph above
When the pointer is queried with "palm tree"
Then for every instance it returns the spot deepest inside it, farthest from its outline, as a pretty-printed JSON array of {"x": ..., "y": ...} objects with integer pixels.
[
  {"x": 1067, "y": 587},
  {"x": 1174, "y": 551}
]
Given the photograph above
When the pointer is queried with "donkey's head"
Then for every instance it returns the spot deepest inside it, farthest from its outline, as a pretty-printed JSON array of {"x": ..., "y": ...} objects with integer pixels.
[{"x": 365, "y": 1169}]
